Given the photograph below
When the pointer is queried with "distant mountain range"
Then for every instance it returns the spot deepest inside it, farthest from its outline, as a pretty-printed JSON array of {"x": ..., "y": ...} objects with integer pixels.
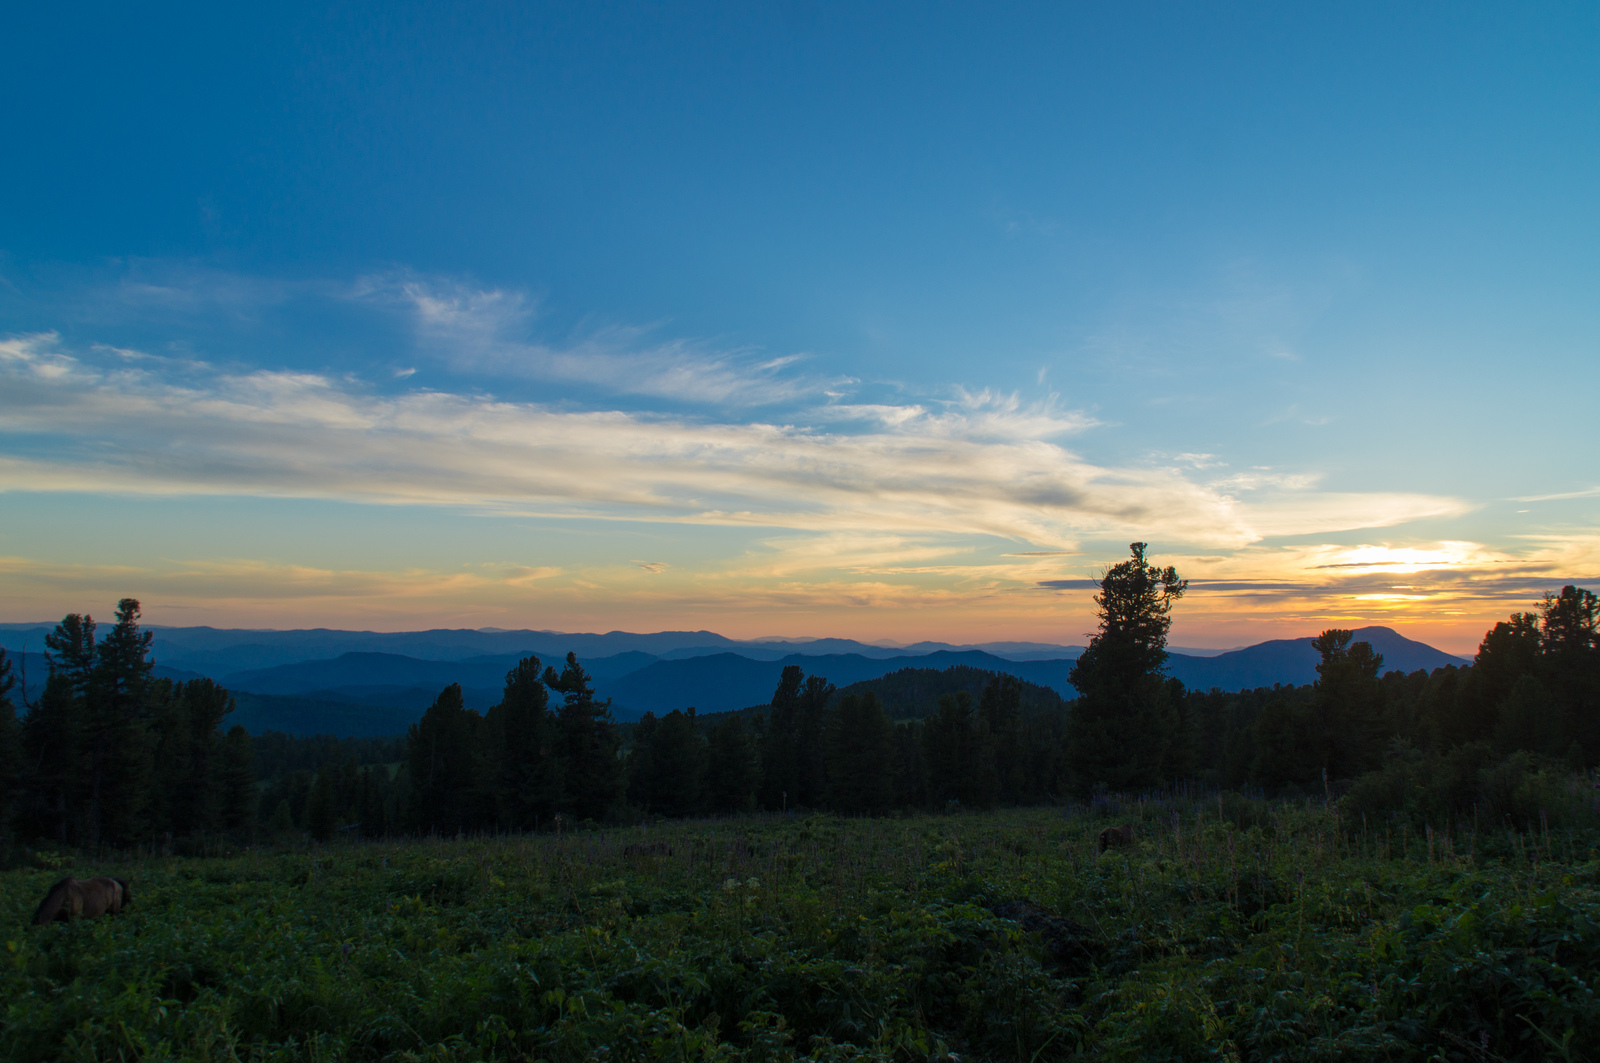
[
  {"x": 224, "y": 651},
  {"x": 368, "y": 683}
]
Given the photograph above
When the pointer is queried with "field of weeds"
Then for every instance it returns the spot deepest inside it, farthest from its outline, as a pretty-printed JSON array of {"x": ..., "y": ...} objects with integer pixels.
[{"x": 1232, "y": 929}]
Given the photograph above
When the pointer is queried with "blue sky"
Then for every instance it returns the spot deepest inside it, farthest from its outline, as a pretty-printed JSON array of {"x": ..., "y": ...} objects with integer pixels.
[{"x": 885, "y": 321}]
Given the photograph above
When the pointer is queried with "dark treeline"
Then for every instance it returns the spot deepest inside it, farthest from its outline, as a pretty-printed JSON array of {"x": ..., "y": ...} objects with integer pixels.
[
  {"x": 1435, "y": 744},
  {"x": 532, "y": 758},
  {"x": 108, "y": 755}
]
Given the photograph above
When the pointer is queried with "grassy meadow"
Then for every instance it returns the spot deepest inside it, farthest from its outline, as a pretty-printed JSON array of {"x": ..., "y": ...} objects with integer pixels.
[{"x": 1234, "y": 929}]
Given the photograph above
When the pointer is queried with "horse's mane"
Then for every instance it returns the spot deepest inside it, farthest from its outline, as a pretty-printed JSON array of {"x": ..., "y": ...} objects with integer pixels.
[{"x": 52, "y": 902}]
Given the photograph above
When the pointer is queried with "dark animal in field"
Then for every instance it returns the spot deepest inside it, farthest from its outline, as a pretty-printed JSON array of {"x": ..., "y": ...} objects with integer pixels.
[
  {"x": 647, "y": 849},
  {"x": 1116, "y": 837},
  {"x": 83, "y": 898}
]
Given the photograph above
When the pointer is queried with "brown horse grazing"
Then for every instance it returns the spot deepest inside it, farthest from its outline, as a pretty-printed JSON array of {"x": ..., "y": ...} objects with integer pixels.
[
  {"x": 85, "y": 898},
  {"x": 1116, "y": 837}
]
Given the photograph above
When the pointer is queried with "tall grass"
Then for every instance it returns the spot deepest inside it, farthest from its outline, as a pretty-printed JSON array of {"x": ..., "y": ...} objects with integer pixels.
[{"x": 1235, "y": 928}]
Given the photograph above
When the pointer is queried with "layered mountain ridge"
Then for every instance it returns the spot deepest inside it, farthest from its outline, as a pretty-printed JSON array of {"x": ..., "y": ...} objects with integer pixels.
[{"x": 367, "y": 683}]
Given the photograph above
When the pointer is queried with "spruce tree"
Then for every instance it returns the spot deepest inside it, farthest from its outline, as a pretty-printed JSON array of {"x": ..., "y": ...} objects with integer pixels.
[
  {"x": 1123, "y": 719},
  {"x": 114, "y": 730},
  {"x": 1570, "y": 663},
  {"x": 793, "y": 752},
  {"x": 69, "y": 651},
  {"x": 1509, "y": 651},
  {"x": 445, "y": 756},
  {"x": 189, "y": 791},
  {"x": 55, "y": 733},
  {"x": 811, "y": 748},
  {"x": 1348, "y": 704},
  {"x": 780, "y": 765},
  {"x": 523, "y": 755},
  {"x": 591, "y": 770}
]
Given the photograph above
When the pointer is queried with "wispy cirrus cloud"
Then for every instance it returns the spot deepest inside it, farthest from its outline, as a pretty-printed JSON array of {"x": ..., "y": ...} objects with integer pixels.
[
  {"x": 251, "y": 578},
  {"x": 491, "y": 331},
  {"x": 468, "y": 329},
  {"x": 982, "y": 463}
]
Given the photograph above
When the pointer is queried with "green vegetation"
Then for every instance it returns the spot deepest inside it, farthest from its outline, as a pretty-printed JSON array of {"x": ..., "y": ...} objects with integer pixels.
[
  {"x": 1233, "y": 929},
  {"x": 1423, "y": 883}
]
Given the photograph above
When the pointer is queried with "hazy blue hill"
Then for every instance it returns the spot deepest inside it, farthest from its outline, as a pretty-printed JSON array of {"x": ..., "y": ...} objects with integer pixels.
[
  {"x": 771, "y": 650},
  {"x": 1294, "y": 661},
  {"x": 1011, "y": 651},
  {"x": 728, "y": 681},
  {"x": 311, "y": 716},
  {"x": 777, "y": 651},
  {"x": 371, "y": 670},
  {"x": 225, "y": 651},
  {"x": 346, "y": 670},
  {"x": 356, "y": 682}
]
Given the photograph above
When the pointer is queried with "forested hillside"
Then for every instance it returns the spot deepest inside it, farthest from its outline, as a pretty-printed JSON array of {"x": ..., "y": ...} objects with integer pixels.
[
  {"x": 914, "y": 693},
  {"x": 106, "y": 753}
]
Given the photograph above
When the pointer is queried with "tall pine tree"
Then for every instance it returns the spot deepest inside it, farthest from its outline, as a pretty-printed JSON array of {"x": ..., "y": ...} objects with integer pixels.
[
  {"x": 445, "y": 755},
  {"x": 591, "y": 769},
  {"x": 523, "y": 750},
  {"x": 53, "y": 734},
  {"x": 780, "y": 764},
  {"x": 189, "y": 790},
  {"x": 114, "y": 730},
  {"x": 1122, "y": 722},
  {"x": 1348, "y": 704},
  {"x": 1570, "y": 652}
]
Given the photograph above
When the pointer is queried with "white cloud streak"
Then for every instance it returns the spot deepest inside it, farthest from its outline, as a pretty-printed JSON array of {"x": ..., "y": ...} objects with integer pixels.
[
  {"x": 981, "y": 464},
  {"x": 484, "y": 331}
]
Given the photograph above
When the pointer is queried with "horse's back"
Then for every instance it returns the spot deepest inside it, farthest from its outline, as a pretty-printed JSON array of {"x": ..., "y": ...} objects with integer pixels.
[{"x": 102, "y": 896}]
